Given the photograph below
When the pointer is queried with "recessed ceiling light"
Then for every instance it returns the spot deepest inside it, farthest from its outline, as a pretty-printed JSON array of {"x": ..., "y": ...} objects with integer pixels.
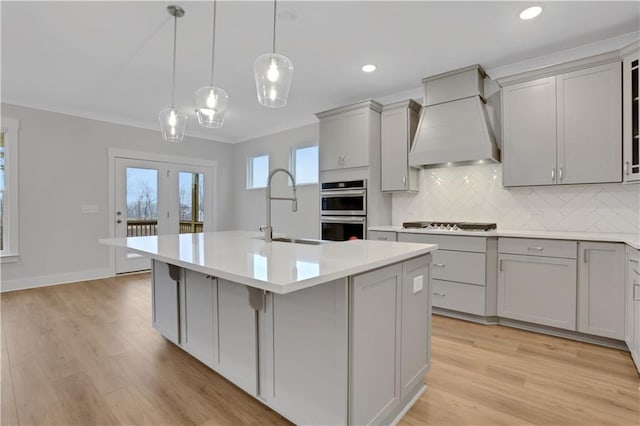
[
  {"x": 530, "y": 12},
  {"x": 369, "y": 68}
]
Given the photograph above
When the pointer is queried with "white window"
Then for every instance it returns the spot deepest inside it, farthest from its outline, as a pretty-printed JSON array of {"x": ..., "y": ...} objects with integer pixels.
[
  {"x": 9, "y": 189},
  {"x": 304, "y": 164},
  {"x": 257, "y": 171}
]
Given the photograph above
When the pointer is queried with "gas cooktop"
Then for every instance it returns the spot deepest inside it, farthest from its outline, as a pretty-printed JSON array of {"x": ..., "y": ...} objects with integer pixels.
[{"x": 451, "y": 226}]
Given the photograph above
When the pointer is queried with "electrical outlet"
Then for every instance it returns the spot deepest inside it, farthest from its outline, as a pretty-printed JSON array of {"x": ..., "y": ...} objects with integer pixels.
[{"x": 418, "y": 283}]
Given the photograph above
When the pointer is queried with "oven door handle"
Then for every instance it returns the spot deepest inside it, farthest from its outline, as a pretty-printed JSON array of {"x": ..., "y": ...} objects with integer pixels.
[
  {"x": 343, "y": 194},
  {"x": 342, "y": 219}
]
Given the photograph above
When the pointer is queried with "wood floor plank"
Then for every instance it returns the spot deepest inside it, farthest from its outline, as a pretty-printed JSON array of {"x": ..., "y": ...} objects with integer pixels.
[{"x": 86, "y": 353}]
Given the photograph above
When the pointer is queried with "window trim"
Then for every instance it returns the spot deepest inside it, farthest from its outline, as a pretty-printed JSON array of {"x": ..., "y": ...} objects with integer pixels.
[
  {"x": 11, "y": 217},
  {"x": 250, "y": 170},
  {"x": 292, "y": 164}
]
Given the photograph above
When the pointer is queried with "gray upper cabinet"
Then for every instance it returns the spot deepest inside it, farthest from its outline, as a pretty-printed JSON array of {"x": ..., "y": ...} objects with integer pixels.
[
  {"x": 631, "y": 115},
  {"x": 589, "y": 125},
  {"x": 399, "y": 124},
  {"x": 601, "y": 289},
  {"x": 529, "y": 133},
  {"x": 564, "y": 129},
  {"x": 346, "y": 134}
]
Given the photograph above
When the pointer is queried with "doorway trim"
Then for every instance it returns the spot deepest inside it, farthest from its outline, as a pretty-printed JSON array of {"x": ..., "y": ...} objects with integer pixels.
[{"x": 113, "y": 153}]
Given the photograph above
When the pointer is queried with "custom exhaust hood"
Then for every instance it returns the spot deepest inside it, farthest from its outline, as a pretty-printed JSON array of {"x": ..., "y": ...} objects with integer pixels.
[{"x": 454, "y": 126}]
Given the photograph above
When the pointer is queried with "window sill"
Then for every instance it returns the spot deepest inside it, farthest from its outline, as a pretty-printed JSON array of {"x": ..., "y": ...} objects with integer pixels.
[{"x": 9, "y": 258}]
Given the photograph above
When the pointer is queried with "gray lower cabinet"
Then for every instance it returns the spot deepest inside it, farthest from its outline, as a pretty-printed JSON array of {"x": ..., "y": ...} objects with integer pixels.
[
  {"x": 601, "y": 289},
  {"x": 303, "y": 354},
  {"x": 390, "y": 325},
  {"x": 464, "y": 272},
  {"x": 237, "y": 344},
  {"x": 537, "y": 289},
  {"x": 166, "y": 302},
  {"x": 381, "y": 235},
  {"x": 200, "y": 302},
  {"x": 632, "y": 311}
]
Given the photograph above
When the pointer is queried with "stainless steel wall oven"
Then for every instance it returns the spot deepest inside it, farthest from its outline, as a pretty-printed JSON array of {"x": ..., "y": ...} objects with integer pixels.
[{"x": 343, "y": 210}]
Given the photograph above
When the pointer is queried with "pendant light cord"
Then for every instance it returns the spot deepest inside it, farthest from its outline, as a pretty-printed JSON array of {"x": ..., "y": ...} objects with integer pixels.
[
  {"x": 274, "y": 26},
  {"x": 175, "y": 35},
  {"x": 213, "y": 41}
]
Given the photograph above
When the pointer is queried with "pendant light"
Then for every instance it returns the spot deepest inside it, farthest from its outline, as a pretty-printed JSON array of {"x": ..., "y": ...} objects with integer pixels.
[
  {"x": 211, "y": 102},
  {"x": 273, "y": 74},
  {"x": 172, "y": 122}
]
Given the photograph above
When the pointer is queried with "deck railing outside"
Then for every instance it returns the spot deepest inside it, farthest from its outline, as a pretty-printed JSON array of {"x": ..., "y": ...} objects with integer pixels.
[{"x": 146, "y": 227}]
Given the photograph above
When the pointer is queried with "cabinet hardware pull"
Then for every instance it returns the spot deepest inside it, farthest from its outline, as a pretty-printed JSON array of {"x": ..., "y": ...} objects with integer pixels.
[
  {"x": 439, "y": 265},
  {"x": 501, "y": 264},
  {"x": 404, "y": 181},
  {"x": 560, "y": 173},
  {"x": 553, "y": 174},
  {"x": 634, "y": 260},
  {"x": 382, "y": 238},
  {"x": 626, "y": 168},
  {"x": 635, "y": 285},
  {"x": 539, "y": 248},
  {"x": 438, "y": 293},
  {"x": 586, "y": 256}
]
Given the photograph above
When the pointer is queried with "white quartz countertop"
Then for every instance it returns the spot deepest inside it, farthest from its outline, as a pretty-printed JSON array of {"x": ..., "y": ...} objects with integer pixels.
[
  {"x": 632, "y": 240},
  {"x": 243, "y": 257}
]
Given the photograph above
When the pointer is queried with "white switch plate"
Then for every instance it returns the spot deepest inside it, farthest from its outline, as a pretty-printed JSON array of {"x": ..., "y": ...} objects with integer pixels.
[
  {"x": 88, "y": 208},
  {"x": 418, "y": 283}
]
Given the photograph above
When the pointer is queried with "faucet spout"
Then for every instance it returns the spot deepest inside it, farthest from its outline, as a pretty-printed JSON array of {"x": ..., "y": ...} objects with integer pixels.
[{"x": 268, "y": 230}]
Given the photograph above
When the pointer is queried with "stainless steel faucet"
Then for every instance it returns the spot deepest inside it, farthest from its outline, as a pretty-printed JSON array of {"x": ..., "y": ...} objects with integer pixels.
[{"x": 268, "y": 229}]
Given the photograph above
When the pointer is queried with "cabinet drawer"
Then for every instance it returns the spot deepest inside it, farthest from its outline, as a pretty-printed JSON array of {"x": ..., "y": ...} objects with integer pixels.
[
  {"x": 381, "y": 235},
  {"x": 447, "y": 242},
  {"x": 461, "y": 266},
  {"x": 460, "y": 297},
  {"x": 538, "y": 247}
]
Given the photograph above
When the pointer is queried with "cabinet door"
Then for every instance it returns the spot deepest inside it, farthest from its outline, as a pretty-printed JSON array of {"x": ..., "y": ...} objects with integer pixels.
[
  {"x": 601, "y": 289},
  {"x": 415, "y": 350},
  {"x": 330, "y": 134},
  {"x": 590, "y": 125},
  {"x": 633, "y": 264},
  {"x": 200, "y": 295},
  {"x": 540, "y": 290},
  {"x": 635, "y": 349},
  {"x": 529, "y": 133},
  {"x": 166, "y": 300},
  {"x": 395, "y": 155},
  {"x": 375, "y": 337},
  {"x": 354, "y": 141},
  {"x": 237, "y": 349},
  {"x": 631, "y": 117}
]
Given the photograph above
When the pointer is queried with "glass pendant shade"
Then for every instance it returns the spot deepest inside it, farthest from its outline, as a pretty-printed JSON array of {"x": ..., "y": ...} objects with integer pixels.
[
  {"x": 211, "y": 105},
  {"x": 172, "y": 125},
  {"x": 273, "y": 73}
]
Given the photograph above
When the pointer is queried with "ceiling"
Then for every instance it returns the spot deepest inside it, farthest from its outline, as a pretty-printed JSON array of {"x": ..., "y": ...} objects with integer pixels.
[{"x": 112, "y": 60}]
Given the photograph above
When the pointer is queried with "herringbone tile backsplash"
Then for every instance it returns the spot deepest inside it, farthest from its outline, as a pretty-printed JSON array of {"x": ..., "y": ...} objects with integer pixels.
[{"x": 475, "y": 193}]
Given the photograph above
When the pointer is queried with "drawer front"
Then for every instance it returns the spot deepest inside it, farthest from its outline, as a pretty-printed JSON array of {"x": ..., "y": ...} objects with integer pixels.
[
  {"x": 447, "y": 242},
  {"x": 538, "y": 247},
  {"x": 461, "y": 266},
  {"x": 381, "y": 235},
  {"x": 459, "y": 297}
]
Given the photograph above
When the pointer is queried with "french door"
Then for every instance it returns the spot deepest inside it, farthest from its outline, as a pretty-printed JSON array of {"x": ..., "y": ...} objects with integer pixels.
[{"x": 155, "y": 198}]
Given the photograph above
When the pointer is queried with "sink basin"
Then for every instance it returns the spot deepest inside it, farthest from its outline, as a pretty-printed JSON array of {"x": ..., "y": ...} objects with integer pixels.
[{"x": 299, "y": 241}]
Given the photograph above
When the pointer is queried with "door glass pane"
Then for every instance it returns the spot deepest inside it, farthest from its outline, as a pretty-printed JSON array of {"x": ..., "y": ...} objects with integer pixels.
[
  {"x": 142, "y": 202},
  {"x": 191, "y": 201}
]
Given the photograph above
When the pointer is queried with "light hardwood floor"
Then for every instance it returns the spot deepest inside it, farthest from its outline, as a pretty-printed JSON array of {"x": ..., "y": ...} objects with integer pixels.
[{"x": 86, "y": 354}]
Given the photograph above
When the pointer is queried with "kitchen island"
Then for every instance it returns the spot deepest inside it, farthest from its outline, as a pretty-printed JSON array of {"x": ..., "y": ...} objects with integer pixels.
[{"x": 331, "y": 333}]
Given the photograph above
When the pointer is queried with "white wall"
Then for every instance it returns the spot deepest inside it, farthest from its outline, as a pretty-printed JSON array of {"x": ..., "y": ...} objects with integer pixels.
[
  {"x": 249, "y": 205},
  {"x": 475, "y": 193},
  {"x": 64, "y": 164}
]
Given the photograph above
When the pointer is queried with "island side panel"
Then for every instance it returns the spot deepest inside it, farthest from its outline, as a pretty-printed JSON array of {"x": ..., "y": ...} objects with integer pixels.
[
  {"x": 166, "y": 302},
  {"x": 304, "y": 354}
]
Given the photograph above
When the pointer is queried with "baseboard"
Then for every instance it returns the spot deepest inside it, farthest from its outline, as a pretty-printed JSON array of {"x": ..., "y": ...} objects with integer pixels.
[
  {"x": 48, "y": 280},
  {"x": 409, "y": 405},
  {"x": 492, "y": 320}
]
